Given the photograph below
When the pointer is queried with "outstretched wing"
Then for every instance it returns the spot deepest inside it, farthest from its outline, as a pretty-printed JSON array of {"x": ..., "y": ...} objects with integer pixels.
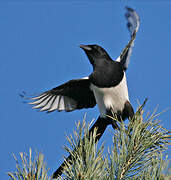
[
  {"x": 133, "y": 26},
  {"x": 74, "y": 94}
]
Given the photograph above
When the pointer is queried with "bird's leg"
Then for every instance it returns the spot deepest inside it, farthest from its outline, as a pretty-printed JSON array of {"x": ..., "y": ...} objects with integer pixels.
[
  {"x": 114, "y": 125},
  {"x": 110, "y": 118}
]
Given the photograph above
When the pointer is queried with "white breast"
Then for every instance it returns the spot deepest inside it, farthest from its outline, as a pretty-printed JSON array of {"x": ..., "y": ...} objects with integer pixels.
[{"x": 114, "y": 97}]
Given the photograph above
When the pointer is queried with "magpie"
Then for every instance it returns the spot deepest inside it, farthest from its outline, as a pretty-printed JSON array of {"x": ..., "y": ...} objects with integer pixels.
[{"x": 106, "y": 86}]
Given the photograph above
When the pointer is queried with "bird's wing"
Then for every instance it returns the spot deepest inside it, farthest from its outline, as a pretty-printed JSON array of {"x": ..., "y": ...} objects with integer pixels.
[
  {"x": 133, "y": 26},
  {"x": 74, "y": 94}
]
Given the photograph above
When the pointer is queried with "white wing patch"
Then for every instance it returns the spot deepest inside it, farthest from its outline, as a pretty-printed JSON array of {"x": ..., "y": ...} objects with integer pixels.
[
  {"x": 85, "y": 77},
  {"x": 61, "y": 105},
  {"x": 48, "y": 102},
  {"x": 41, "y": 102},
  {"x": 54, "y": 106}
]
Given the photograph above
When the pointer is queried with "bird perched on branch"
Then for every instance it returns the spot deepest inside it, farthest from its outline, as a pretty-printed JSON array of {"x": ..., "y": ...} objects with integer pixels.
[{"x": 106, "y": 86}]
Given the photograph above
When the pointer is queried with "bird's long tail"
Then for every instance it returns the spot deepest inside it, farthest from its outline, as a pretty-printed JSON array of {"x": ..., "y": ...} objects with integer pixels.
[{"x": 101, "y": 125}]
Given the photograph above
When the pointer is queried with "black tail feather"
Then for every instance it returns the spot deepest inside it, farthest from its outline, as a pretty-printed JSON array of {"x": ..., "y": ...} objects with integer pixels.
[{"x": 101, "y": 125}]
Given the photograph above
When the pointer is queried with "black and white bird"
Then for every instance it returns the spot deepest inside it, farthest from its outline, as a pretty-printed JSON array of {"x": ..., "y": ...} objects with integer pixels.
[{"x": 106, "y": 86}]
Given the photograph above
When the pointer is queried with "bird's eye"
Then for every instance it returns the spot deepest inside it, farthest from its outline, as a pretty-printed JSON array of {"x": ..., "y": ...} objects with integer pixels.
[{"x": 96, "y": 47}]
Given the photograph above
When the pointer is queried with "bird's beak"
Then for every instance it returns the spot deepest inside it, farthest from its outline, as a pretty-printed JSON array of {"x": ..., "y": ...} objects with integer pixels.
[{"x": 85, "y": 47}]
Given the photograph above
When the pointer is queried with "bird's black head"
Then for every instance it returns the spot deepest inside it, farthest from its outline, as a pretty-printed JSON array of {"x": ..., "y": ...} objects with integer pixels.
[{"x": 95, "y": 53}]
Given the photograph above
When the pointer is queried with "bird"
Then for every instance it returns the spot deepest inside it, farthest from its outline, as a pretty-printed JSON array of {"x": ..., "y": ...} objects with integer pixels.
[
  {"x": 106, "y": 86},
  {"x": 109, "y": 89}
]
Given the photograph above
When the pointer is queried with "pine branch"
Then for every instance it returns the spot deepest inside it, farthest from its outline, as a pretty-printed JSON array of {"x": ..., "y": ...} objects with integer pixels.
[
  {"x": 100, "y": 125},
  {"x": 87, "y": 160},
  {"x": 137, "y": 148},
  {"x": 137, "y": 153},
  {"x": 29, "y": 168}
]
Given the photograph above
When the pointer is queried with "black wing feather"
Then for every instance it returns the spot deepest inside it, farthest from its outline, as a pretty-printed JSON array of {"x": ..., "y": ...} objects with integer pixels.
[{"x": 74, "y": 94}]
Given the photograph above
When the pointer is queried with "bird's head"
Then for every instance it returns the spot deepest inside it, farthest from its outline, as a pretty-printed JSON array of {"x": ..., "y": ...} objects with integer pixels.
[{"x": 95, "y": 53}]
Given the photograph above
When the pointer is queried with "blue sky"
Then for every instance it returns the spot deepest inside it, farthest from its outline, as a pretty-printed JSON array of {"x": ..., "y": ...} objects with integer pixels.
[{"x": 39, "y": 50}]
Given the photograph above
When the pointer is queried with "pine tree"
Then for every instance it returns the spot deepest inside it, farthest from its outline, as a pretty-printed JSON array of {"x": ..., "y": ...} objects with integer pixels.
[{"x": 137, "y": 153}]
